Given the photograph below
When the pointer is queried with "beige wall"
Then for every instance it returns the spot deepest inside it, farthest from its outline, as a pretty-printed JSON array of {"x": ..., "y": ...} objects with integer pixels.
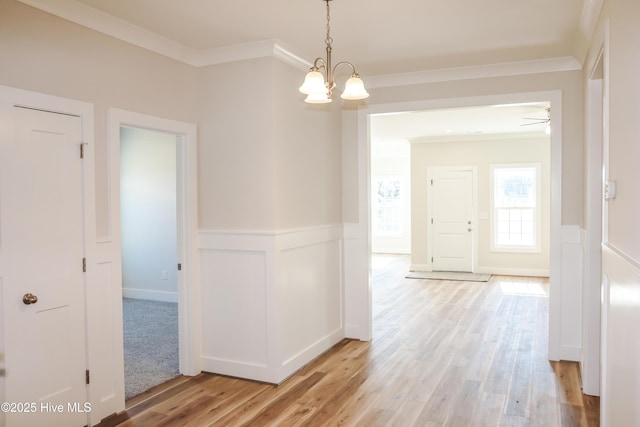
[
  {"x": 624, "y": 113},
  {"x": 235, "y": 151},
  {"x": 47, "y": 54},
  {"x": 308, "y": 165},
  {"x": 482, "y": 154},
  {"x": 266, "y": 160}
]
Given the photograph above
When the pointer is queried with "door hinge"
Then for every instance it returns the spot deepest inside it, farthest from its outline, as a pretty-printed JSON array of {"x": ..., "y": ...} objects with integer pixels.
[
  {"x": 84, "y": 265},
  {"x": 82, "y": 144},
  {"x": 431, "y": 182},
  {"x": 87, "y": 377},
  {"x": 431, "y": 220},
  {"x": 179, "y": 267}
]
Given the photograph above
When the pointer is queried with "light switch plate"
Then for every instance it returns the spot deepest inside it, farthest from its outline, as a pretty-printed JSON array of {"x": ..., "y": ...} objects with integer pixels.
[{"x": 609, "y": 190}]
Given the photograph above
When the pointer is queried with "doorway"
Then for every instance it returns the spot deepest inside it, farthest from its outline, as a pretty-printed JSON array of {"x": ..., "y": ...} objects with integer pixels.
[
  {"x": 148, "y": 218},
  {"x": 359, "y": 315},
  {"x": 186, "y": 269}
]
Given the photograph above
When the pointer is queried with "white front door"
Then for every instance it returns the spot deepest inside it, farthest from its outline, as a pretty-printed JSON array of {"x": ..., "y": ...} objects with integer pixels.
[
  {"x": 42, "y": 247},
  {"x": 451, "y": 202}
]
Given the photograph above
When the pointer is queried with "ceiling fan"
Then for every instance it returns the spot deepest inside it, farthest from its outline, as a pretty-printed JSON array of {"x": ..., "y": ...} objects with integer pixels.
[{"x": 540, "y": 121}]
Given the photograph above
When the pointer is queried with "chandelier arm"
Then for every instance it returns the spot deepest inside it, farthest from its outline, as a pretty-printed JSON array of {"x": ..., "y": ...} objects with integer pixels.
[
  {"x": 353, "y": 68},
  {"x": 320, "y": 61}
]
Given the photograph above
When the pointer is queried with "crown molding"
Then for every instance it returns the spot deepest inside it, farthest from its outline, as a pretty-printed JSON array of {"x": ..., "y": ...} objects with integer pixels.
[
  {"x": 122, "y": 30},
  {"x": 549, "y": 65},
  {"x": 114, "y": 27},
  {"x": 266, "y": 48},
  {"x": 512, "y": 136}
]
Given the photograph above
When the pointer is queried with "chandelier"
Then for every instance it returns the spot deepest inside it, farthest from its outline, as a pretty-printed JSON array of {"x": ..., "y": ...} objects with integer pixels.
[{"x": 318, "y": 87}]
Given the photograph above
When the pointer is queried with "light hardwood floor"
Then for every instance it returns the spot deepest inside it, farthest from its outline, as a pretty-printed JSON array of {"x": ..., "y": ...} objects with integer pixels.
[{"x": 443, "y": 353}]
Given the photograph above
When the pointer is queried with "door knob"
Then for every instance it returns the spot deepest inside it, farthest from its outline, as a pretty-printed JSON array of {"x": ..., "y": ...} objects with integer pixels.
[
  {"x": 29, "y": 298},
  {"x": 469, "y": 229}
]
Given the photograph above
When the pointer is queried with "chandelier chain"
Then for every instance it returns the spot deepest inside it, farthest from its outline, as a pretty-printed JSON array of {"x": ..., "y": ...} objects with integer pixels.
[{"x": 328, "y": 40}]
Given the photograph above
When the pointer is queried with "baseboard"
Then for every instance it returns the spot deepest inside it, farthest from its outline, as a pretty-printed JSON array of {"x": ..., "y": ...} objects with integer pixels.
[
  {"x": 302, "y": 358},
  {"x": 163, "y": 296},
  {"x": 571, "y": 354},
  {"x": 534, "y": 272},
  {"x": 420, "y": 267},
  {"x": 394, "y": 251},
  {"x": 270, "y": 374}
]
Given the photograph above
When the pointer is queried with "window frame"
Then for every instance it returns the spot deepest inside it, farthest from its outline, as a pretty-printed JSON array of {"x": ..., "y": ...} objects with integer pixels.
[
  {"x": 401, "y": 206},
  {"x": 537, "y": 210}
]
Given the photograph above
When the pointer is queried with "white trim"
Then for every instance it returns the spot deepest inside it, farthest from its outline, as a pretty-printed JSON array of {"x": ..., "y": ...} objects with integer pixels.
[
  {"x": 498, "y": 271},
  {"x": 567, "y": 63},
  {"x": 147, "y": 294},
  {"x": 188, "y": 283},
  {"x": 477, "y": 137},
  {"x": 501, "y": 271}
]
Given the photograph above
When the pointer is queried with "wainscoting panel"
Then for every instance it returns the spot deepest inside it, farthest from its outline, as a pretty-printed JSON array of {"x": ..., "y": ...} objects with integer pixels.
[
  {"x": 104, "y": 320},
  {"x": 271, "y": 302},
  {"x": 571, "y": 294},
  {"x": 309, "y": 288},
  {"x": 234, "y": 308},
  {"x": 621, "y": 346},
  {"x": 357, "y": 295}
]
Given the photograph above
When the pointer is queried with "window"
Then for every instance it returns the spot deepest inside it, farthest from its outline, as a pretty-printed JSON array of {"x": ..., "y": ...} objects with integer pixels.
[
  {"x": 387, "y": 205},
  {"x": 516, "y": 207}
]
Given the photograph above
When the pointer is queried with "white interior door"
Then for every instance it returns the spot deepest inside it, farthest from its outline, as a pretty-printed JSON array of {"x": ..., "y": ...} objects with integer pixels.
[
  {"x": 451, "y": 219},
  {"x": 42, "y": 247}
]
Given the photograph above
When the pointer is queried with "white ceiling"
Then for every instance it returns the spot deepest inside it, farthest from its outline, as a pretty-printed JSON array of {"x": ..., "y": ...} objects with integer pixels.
[
  {"x": 468, "y": 123},
  {"x": 381, "y": 38}
]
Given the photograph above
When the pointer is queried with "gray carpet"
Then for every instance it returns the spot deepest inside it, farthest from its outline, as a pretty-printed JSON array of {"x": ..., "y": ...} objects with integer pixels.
[
  {"x": 449, "y": 275},
  {"x": 150, "y": 344}
]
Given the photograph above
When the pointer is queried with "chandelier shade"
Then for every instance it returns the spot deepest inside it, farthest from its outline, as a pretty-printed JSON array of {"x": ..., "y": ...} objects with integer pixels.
[
  {"x": 354, "y": 88},
  {"x": 314, "y": 84},
  {"x": 318, "y": 86}
]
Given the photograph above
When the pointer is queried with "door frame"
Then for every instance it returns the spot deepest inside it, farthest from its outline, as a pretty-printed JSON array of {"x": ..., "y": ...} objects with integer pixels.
[
  {"x": 187, "y": 219},
  {"x": 358, "y": 301},
  {"x": 594, "y": 307},
  {"x": 474, "y": 212},
  {"x": 11, "y": 97}
]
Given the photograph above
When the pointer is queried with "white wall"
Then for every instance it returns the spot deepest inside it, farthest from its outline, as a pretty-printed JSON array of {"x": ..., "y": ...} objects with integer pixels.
[
  {"x": 482, "y": 152},
  {"x": 619, "y": 34},
  {"x": 148, "y": 214}
]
